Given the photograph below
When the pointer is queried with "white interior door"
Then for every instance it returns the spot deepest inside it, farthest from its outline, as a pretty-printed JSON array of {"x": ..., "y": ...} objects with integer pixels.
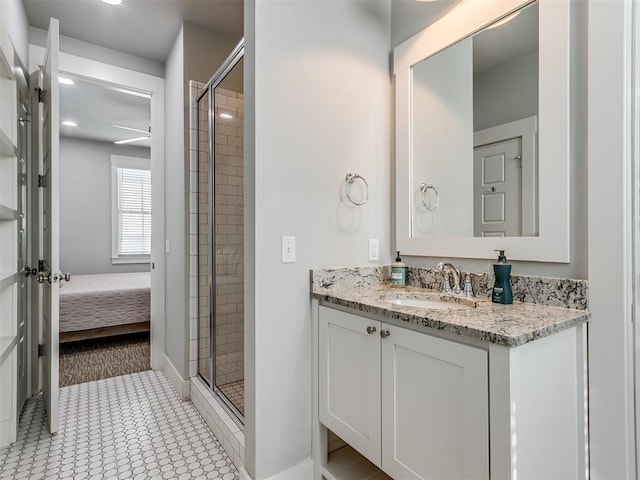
[
  {"x": 497, "y": 174},
  {"x": 23, "y": 280},
  {"x": 50, "y": 224}
]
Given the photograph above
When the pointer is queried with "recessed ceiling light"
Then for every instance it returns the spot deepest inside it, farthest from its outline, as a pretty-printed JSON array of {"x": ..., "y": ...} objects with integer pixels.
[
  {"x": 65, "y": 81},
  {"x": 69, "y": 123},
  {"x": 113, "y": 2},
  {"x": 226, "y": 116},
  {"x": 129, "y": 140}
]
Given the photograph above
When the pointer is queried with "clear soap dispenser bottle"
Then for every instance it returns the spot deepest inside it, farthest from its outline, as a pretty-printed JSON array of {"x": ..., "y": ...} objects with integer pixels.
[{"x": 502, "y": 287}]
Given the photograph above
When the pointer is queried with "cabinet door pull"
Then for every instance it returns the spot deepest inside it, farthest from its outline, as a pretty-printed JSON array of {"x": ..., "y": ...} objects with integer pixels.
[
  {"x": 371, "y": 330},
  {"x": 385, "y": 333}
]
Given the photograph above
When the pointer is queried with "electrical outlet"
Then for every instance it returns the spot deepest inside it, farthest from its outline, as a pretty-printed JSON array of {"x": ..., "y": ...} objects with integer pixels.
[
  {"x": 374, "y": 250},
  {"x": 288, "y": 249}
]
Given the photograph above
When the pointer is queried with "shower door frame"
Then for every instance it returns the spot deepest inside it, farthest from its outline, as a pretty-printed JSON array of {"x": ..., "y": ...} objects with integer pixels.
[{"x": 228, "y": 65}]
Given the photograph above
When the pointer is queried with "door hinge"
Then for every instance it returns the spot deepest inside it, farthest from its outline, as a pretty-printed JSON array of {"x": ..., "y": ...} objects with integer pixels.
[
  {"x": 41, "y": 265},
  {"x": 41, "y": 350},
  {"x": 40, "y": 95},
  {"x": 42, "y": 181}
]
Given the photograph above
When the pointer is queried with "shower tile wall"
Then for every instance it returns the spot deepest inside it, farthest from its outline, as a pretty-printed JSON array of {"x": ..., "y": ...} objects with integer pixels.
[{"x": 229, "y": 139}]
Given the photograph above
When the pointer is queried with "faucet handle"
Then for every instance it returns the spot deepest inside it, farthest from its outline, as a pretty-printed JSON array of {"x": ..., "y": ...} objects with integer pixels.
[
  {"x": 446, "y": 286},
  {"x": 468, "y": 289}
]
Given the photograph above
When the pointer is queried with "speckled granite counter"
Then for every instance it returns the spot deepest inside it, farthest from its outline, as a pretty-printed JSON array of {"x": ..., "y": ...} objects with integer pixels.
[{"x": 367, "y": 291}]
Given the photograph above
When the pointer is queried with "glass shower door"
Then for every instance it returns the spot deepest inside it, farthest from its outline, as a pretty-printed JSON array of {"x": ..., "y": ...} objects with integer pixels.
[
  {"x": 221, "y": 236},
  {"x": 228, "y": 220}
]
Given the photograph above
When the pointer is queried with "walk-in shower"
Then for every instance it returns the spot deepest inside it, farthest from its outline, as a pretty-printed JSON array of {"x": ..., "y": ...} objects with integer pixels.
[{"x": 221, "y": 233}]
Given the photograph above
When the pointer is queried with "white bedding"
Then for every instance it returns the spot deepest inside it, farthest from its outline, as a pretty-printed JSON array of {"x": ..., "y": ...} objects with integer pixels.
[{"x": 107, "y": 300}]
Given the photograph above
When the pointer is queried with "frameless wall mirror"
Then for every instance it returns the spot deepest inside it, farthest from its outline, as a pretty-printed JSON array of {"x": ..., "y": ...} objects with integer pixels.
[{"x": 482, "y": 149}]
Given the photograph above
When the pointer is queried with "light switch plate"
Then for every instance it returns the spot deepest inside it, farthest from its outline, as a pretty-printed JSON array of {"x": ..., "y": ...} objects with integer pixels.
[{"x": 288, "y": 249}]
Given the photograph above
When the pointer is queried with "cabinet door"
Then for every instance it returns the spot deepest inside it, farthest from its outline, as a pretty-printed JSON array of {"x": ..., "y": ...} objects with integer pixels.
[
  {"x": 435, "y": 407},
  {"x": 349, "y": 379}
]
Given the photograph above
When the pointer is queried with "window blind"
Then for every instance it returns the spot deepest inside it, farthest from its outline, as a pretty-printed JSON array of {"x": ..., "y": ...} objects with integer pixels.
[{"x": 134, "y": 211}]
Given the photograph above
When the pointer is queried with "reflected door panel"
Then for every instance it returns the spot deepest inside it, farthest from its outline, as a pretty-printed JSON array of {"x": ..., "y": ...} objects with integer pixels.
[{"x": 498, "y": 189}]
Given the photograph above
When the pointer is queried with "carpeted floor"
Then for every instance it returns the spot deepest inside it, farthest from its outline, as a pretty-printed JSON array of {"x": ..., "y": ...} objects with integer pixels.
[{"x": 90, "y": 360}]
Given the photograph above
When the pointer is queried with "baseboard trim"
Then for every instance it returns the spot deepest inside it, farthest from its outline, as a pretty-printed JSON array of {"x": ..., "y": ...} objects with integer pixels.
[
  {"x": 181, "y": 385},
  {"x": 243, "y": 474}
]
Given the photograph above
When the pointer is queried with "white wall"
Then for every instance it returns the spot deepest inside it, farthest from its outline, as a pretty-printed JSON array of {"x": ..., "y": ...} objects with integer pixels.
[
  {"x": 443, "y": 125},
  {"x": 175, "y": 306},
  {"x": 311, "y": 127},
  {"x": 85, "y": 206},
  {"x": 408, "y": 17},
  {"x": 196, "y": 55},
  {"x": 506, "y": 93},
  {"x": 14, "y": 22},
  {"x": 611, "y": 257},
  {"x": 37, "y": 36}
]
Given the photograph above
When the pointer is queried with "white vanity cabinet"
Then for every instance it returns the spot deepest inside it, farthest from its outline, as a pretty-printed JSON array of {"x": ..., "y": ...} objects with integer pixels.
[
  {"x": 422, "y": 403},
  {"x": 415, "y": 405}
]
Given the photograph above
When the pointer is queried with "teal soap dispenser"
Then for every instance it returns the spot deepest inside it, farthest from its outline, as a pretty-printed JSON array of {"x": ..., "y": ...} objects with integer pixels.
[
  {"x": 502, "y": 287},
  {"x": 398, "y": 272}
]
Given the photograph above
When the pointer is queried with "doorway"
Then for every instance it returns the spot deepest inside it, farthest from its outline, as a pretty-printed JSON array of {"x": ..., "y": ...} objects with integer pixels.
[
  {"x": 105, "y": 229},
  {"x": 153, "y": 87}
]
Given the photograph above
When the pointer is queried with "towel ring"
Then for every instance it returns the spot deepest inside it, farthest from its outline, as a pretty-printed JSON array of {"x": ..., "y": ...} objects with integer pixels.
[
  {"x": 349, "y": 179},
  {"x": 424, "y": 188}
]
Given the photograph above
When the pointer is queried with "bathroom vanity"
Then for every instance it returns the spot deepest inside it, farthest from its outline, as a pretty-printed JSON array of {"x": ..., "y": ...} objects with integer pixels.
[{"x": 425, "y": 385}]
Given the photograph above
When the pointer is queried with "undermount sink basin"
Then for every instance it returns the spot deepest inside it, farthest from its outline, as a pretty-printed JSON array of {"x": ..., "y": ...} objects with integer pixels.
[{"x": 429, "y": 301}]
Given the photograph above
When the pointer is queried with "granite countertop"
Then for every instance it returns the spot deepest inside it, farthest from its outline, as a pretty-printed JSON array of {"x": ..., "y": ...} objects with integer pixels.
[{"x": 509, "y": 325}]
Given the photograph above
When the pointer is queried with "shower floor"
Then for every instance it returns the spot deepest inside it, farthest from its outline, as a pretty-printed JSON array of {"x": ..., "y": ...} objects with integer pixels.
[{"x": 234, "y": 391}]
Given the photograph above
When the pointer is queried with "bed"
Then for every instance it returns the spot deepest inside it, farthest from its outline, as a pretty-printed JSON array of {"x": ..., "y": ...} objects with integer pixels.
[{"x": 93, "y": 306}]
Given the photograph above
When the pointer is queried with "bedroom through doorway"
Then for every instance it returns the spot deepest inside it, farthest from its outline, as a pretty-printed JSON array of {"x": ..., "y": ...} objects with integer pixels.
[{"x": 105, "y": 230}]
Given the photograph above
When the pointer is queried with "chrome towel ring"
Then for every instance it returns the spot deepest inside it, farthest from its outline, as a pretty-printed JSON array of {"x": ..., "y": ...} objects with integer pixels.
[
  {"x": 349, "y": 179},
  {"x": 424, "y": 188}
]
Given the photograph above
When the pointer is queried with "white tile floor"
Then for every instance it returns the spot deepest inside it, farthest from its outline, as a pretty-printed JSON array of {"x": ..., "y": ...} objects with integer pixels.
[{"x": 129, "y": 427}]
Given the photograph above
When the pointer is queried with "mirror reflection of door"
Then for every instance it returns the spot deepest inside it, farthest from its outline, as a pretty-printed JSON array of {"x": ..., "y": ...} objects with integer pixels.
[
  {"x": 486, "y": 81},
  {"x": 497, "y": 174}
]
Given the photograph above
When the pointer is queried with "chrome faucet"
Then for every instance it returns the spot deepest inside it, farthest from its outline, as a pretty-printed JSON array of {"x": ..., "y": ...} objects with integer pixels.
[{"x": 454, "y": 272}]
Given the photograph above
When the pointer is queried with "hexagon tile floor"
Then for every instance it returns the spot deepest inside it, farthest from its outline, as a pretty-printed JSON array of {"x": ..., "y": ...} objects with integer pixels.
[{"x": 128, "y": 427}]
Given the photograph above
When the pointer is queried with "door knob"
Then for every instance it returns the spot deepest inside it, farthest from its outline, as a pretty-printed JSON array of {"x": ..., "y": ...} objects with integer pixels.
[
  {"x": 65, "y": 276},
  {"x": 42, "y": 277},
  {"x": 371, "y": 330},
  {"x": 385, "y": 333},
  {"x": 30, "y": 271}
]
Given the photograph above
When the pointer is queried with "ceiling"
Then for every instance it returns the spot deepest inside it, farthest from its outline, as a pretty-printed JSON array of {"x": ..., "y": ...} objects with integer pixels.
[
  {"x": 145, "y": 28},
  {"x": 96, "y": 106},
  {"x": 506, "y": 42}
]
